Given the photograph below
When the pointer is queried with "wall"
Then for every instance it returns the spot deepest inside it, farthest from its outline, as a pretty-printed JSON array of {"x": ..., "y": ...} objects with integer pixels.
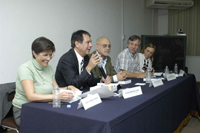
[
  {"x": 162, "y": 22},
  {"x": 137, "y": 19},
  {"x": 193, "y": 64},
  {"x": 23, "y": 21}
]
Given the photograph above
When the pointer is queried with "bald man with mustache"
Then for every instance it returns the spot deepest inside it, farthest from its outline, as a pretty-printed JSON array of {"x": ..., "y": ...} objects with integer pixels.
[{"x": 103, "y": 47}]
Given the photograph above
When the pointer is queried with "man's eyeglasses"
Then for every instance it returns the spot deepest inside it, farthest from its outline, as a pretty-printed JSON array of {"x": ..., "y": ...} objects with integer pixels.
[
  {"x": 105, "y": 45},
  {"x": 46, "y": 56}
]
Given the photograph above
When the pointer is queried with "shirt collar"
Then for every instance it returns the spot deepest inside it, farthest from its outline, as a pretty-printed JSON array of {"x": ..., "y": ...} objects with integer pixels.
[
  {"x": 37, "y": 65},
  {"x": 132, "y": 54},
  {"x": 104, "y": 61},
  {"x": 79, "y": 57}
]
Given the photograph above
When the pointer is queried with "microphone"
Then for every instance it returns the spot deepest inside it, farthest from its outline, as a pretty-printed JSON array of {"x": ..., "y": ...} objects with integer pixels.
[{"x": 102, "y": 70}]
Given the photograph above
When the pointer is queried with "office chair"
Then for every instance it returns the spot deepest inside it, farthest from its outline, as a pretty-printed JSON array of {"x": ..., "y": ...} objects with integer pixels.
[{"x": 8, "y": 122}]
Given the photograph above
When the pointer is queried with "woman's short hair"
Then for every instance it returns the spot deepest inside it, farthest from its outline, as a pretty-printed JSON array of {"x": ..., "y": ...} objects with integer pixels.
[
  {"x": 151, "y": 46},
  {"x": 42, "y": 44}
]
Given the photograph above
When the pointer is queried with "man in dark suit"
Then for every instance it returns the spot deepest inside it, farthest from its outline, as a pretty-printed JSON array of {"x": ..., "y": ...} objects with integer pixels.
[{"x": 74, "y": 67}]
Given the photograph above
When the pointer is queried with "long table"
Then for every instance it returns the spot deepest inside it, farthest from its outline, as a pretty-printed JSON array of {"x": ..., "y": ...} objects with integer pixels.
[{"x": 157, "y": 110}]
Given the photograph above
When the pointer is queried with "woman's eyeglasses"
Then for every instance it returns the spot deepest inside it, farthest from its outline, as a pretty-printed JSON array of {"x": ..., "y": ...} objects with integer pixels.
[{"x": 47, "y": 56}]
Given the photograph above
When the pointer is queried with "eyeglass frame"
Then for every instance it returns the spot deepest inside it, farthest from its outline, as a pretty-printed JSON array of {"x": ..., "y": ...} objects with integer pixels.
[
  {"x": 105, "y": 45},
  {"x": 46, "y": 56}
]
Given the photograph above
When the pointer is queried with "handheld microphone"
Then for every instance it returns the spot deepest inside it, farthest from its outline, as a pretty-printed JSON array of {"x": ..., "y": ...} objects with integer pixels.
[{"x": 102, "y": 70}]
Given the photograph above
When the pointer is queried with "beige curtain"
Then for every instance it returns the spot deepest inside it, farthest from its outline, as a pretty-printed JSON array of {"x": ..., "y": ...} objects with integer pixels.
[{"x": 189, "y": 21}]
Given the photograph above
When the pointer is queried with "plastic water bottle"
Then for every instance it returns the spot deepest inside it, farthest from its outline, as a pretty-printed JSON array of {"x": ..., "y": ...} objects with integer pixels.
[
  {"x": 56, "y": 97},
  {"x": 176, "y": 69},
  {"x": 166, "y": 72},
  {"x": 148, "y": 76}
]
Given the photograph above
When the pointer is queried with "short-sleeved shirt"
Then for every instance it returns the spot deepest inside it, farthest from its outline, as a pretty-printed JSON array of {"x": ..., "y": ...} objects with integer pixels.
[
  {"x": 42, "y": 77},
  {"x": 126, "y": 61},
  {"x": 144, "y": 62}
]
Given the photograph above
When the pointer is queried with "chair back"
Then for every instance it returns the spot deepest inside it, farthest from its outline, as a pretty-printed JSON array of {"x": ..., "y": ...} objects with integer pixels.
[{"x": 8, "y": 121}]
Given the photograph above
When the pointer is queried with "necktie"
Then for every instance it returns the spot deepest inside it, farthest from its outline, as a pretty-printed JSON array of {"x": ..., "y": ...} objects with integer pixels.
[{"x": 82, "y": 63}]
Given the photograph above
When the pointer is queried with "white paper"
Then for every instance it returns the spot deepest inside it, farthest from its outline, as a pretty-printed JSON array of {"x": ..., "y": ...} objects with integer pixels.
[
  {"x": 111, "y": 84},
  {"x": 158, "y": 73},
  {"x": 114, "y": 84},
  {"x": 144, "y": 79},
  {"x": 131, "y": 92},
  {"x": 74, "y": 99},
  {"x": 103, "y": 92},
  {"x": 125, "y": 82},
  {"x": 140, "y": 84}
]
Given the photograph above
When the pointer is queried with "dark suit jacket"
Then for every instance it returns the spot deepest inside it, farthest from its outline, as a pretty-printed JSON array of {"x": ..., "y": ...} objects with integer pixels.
[
  {"x": 109, "y": 68},
  {"x": 67, "y": 72}
]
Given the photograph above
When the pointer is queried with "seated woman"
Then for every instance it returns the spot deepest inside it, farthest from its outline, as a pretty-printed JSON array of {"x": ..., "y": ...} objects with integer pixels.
[
  {"x": 35, "y": 79},
  {"x": 146, "y": 57}
]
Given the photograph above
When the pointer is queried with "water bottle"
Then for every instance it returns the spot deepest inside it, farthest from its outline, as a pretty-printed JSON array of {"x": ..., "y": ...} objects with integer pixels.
[
  {"x": 148, "y": 76},
  {"x": 176, "y": 69},
  {"x": 56, "y": 97},
  {"x": 166, "y": 72}
]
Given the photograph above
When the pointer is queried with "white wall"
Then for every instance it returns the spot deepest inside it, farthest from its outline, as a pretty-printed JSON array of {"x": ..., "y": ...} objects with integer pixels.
[
  {"x": 193, "y": 64},
  {"x": 25, "y": 20},
  {"x": 137, "y": 19},
  {"x": 162, "y": 22}
]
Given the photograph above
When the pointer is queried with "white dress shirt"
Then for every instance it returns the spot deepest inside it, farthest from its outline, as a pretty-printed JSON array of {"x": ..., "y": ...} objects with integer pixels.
[{"x": 80, "y": 58}]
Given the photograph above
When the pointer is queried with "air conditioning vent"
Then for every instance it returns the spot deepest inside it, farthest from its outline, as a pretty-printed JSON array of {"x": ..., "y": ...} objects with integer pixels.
[{"x": 169, "y": 4}]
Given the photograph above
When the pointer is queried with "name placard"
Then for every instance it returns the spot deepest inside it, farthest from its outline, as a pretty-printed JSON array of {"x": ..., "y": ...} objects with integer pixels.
[
  {"x": 171, "y": 77},
  {"x": 131, "y": 92},
  {"x": 90, "y": 101},
  {"x": 157, "y": 82},
  {"x": 125, "y": 82},
  {"x": 181, "y": 73}
]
